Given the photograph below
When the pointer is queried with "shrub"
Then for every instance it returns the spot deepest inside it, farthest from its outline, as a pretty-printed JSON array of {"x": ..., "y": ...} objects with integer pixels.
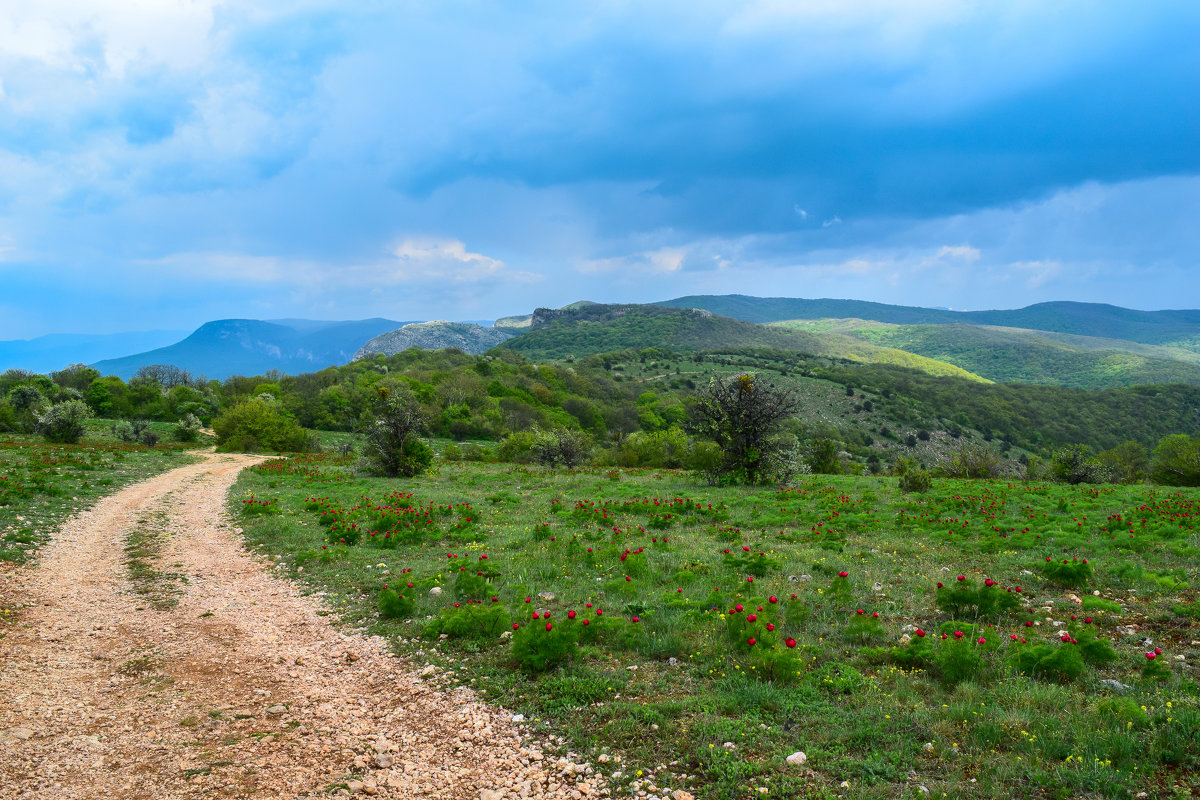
[
  {"x": 393, "y": 605},
  {"x": 742, "y": 414},
  {"x": 539, "y": 645},
  {"x": 1063, "y": 663},
  {"x": 472, "y": 621},
  {"x": 64, "y": 423},
  {"x": 188, "y": 428},
  {"x": 392, "y": 447},
  {"x": 564, "y": 446},
  {"x": 1075, "y": 465},
  {"x": 1075, "y": 572},
  {"x": 964, "y": 600},
  {"x": 259, "y": 425},
  {"x": 960, "y": 658},
  {"x": 915, "y": 480}
]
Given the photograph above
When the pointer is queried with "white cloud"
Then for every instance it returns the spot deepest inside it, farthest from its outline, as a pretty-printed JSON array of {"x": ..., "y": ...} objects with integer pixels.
[
  {"x": 108, "y": 36},
  {"x": 423, "y": 261},
  {"x": 961, "y": 252}
]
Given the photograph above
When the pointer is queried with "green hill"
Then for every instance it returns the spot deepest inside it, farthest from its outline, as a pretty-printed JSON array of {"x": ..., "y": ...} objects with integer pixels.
[
  {"x": 1180, "y": 328},
  {"x": 585, "y": 329},
  {"x": 1015, "y": 355}
]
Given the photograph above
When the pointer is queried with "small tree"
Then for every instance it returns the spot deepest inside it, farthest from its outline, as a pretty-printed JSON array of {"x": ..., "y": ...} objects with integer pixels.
[
  {"x": 393, "y": 445},
  {"x": 63, "y": 423},
  {"x": 1177, "y": 461},
  {"x": 561, "y": 446},
  {"x": 743, "y": 414},
  {"x": 259, "y": 425}
]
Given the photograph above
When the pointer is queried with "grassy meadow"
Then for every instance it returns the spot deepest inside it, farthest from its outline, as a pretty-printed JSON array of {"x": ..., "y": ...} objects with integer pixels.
[
  {"x": 41, "y": 483},
  {"x": 693, "y": 637}
]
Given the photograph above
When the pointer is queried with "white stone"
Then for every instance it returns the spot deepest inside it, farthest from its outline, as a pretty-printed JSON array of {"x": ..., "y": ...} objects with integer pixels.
[{"x": 797, "y": 758}]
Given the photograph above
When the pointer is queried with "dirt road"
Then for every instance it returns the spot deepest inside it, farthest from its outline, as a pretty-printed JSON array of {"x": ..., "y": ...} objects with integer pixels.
[{"x": 219, "y": 679}]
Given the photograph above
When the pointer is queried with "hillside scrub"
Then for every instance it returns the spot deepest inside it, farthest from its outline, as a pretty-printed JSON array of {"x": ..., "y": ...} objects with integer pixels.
[{"x": 260, "y": 425}]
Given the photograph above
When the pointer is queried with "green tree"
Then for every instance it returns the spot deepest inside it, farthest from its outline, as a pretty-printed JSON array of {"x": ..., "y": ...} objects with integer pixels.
[
  {"x": 743, "y": 414},
  {"x": 1177, "y": 461},
  {"x": 392, "y": 436},
  {"x": 64, "y": 423},
  {"x": 258, "y": 425}
]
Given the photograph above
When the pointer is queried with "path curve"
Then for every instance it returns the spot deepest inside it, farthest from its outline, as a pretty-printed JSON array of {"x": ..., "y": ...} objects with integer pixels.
[{"x": 241, "y": 689}]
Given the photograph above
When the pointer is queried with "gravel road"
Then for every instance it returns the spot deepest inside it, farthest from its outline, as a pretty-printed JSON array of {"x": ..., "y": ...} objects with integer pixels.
[{"x": 223, "y": 680}]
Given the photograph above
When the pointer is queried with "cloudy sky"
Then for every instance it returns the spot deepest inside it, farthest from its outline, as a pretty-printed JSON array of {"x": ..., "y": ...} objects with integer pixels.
[{"x": 167, "y": 162}]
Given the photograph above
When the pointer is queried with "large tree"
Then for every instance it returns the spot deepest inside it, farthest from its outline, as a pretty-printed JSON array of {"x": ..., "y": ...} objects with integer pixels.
[{"x": 743, "y": 414}]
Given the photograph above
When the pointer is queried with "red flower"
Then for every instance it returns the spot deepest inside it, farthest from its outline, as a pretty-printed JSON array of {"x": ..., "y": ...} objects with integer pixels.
[
  {"x": 1157, "y": 652},
  {"x": 958, "y": 634},
  {"x": 635, "y": 619},
  {"x": 770, "y": 626},
  {"x": 752, "y": 641},
  {"x": 751, "y": 617},
  {"x": 587, "y": 622},
  {"x": 860, "y": 611},
  {"x": 843, "y": 574},
  {"x": 738, "y": 608},
  {"x": 772, "y": 599},
  {"x": 962, "y": 577},
  {"x": 549, "y": 625},
  {"x": 515, "y": 626},
  {"x": 981, "y": 640},
  {"x": 920, "y": 633},
  {"x": 1150, "y": 656},
  {"x": 875, "y": 614},
  {"x": 570, "y": 615},
  {"x": 790, "y": 642}
]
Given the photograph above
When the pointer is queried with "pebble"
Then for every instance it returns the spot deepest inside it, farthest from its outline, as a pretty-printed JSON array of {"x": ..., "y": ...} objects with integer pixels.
[{"x": 798, "y": 758}]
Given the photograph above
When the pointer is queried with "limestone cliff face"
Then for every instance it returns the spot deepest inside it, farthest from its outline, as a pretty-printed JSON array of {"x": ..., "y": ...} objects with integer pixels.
[{"x": 436, "y": 335}]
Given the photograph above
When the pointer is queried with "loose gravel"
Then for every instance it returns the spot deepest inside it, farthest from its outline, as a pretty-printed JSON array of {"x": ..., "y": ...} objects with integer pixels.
[{"x": 242, "y": 688}]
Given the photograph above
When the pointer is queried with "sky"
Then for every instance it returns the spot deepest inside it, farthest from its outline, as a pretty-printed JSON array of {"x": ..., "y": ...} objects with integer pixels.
[{"x": 168, "y": 162}]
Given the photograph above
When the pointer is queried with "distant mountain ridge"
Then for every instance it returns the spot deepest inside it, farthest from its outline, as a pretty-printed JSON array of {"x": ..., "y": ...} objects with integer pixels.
[
  {"x": 228, "y": 347},
  {"x": 435, "y": 335},
  {"x": 1176, "y": 327},
  {"x": 54, "y": 351},
  {"x": 582, "y": 329}
]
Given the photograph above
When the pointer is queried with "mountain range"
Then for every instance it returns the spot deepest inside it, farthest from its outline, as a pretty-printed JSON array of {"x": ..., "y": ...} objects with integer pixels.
[{"x": 1082, "y": 345}]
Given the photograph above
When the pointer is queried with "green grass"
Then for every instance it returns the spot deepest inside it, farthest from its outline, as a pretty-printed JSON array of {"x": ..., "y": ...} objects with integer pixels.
[
  {"x": 845, "y": 695},
  {"x": 41, "y": 484}
]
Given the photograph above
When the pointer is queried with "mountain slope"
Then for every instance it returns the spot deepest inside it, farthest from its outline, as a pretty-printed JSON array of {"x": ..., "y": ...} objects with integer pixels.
[
  {"x": 57, "y": 350},
  {"x": 1180, "y": 327},
  {"x": 227, "y": 347},
  {"x": 595, "y": 328},
  {"x": 1025, "y": 356},
  {"x": 435, "y": 335}
]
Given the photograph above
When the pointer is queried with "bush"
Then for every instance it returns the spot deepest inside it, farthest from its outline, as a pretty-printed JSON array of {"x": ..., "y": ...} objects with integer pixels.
[
  {"x": 965, "y": 600},
  {"x": 472, "y": 621},
  {"x": 1075, "y": 572},
  {"x": 392, "y": 447},
  {"x": 539, "y": 645},
  {"x": 64, "y": 423},
  {"x": 1075, "y": 465},
  {"x": 915, "y": 480},
  {"x": 188, "y": 428},
  {"x": 563, "y": 446},
  {"x": 393, "y": 605},
  {"x": 260, "y": 424}
]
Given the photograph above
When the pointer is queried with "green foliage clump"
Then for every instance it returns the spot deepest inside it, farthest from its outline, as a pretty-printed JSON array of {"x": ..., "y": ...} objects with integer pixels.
[
  {"x": 864, "y": 625},
  {"x": 540, "y": 645},
  {"x": 960, "y": 657},
  {"x": 63, "y": 423},
  {"x": 561, "y": 446},
  {"x": 471, "y": 621},
  {"x": 748, "y": 562},
  {"x": 188, "y": 428},
  {"x": 1063, "y": 663},
  {"x": 393, "y": 605},
  {"x": 1075, "y": 572},
  {"x": 392, "y": 445},
  {"x": 1155, "y": 669},
  {"x": 915, "y": 481},
  {"x": 260, "y": 425},
  {"x": 473, "y": 586},
  {"x": 964, "y": 600},
  {"x": 1099, "y": 605}
]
